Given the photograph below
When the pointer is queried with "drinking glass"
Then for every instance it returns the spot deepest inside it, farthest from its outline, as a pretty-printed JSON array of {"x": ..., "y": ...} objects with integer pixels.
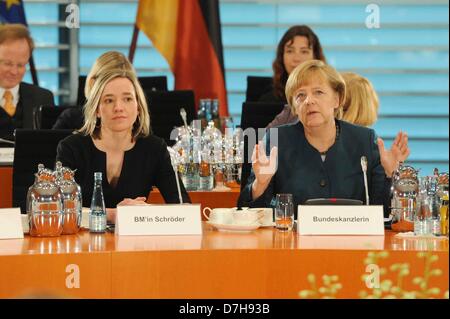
[{"x": 284, "y": 212}]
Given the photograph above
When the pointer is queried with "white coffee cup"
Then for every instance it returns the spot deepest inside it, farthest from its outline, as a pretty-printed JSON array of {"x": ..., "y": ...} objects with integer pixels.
[
  {"x": 247, "y": 216},
  {"x": 218, "y": 215},
  {"x": 267, "y": 219}
]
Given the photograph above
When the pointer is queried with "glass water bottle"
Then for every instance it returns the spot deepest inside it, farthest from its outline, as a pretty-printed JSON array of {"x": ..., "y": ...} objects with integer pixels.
[{"x": 97, "y": 214}]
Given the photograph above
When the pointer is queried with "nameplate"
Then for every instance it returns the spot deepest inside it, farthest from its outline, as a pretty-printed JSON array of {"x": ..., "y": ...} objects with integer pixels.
[
  {"x": 10, "y": 223},
  {"x": 6, "y": 155},
  {"x": 159, "y": 220},
  {"x": 340, "y": 220}
]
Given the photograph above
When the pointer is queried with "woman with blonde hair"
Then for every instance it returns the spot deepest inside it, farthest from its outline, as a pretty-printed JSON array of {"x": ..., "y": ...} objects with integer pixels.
[
  {"x": 73, "y": 118},
  {"x": 115, "y": 140},
  {"x": 107, "y": 61},
  {"x": 320, "y": 156},
  {"x": 361, "y": 101}
]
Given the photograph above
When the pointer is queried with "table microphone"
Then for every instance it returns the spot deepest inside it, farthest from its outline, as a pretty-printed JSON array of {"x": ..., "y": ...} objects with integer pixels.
[
  {"x": 184, "y": 118},
  {"x": 7, "y": 141},
  {"x": 364, "y": 169},
  {"x": 173, "y": 160}
]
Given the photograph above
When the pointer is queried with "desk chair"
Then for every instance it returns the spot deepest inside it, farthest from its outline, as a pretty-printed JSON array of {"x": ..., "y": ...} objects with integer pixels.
[
  {"x": 257, "y": 86},
  {"x": 164, "y": 108},
  {"x": 46, "y": 116},
  {"x": 32, "y": 147}
]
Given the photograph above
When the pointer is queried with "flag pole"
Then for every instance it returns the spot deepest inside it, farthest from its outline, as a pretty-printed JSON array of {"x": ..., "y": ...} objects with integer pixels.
[{"x": 133, "y": 44}]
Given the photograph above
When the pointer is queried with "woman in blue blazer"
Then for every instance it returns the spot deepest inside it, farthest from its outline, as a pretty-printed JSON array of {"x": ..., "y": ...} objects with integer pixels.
[{"x": 320, "y": 156}]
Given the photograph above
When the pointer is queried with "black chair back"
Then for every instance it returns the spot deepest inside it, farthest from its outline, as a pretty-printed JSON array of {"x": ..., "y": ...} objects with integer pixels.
[
  {"x": 45, "y": 116},
  {"x": 164, "y": 108},
  {"x": 255, "y": 115},
  {"x": 148, "y": 83},
  {"x": 81, "y": 100},
  {"x": 257, "y": 86},
  {"x": 153, "y": 83},
  {"x": 32, "y": 148}
]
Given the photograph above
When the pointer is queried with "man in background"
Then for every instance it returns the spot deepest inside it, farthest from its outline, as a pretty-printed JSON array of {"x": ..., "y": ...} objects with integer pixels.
[{"x": 17, "y": 99}]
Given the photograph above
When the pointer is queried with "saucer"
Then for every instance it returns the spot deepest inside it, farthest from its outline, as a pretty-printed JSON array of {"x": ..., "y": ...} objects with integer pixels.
[
  {"x": 235, "y": 227},
  {"x": 271, "y": 224}
]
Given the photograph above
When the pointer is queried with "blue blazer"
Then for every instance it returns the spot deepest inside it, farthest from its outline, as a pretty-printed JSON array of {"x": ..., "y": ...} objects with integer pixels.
[{"x": 302, "y": 173}]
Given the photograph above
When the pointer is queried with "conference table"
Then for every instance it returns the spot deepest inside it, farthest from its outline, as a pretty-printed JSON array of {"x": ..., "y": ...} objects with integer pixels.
[{"x": 263, "y": 263}]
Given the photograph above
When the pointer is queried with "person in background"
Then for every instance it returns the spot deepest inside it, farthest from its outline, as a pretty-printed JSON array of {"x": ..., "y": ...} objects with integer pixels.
[
  {"x": 116, "y": 140},
  {"x": 73, "y": 118},
  {"x": 361, "y": 101},
  {"x": 320, "y": 156},
  {"x": 298, "y": 44},
  {"x": 17, "y": 99}
]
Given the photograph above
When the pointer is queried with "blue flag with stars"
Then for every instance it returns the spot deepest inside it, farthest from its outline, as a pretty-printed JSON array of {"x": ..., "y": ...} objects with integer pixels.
[{"x": 12, "y": 11}]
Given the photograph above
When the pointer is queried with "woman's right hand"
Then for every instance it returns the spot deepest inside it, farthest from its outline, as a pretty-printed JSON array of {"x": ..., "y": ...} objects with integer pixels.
[
  {"x": 132, "y": 202},
  {"x": 264, "y": 168},
  {"x": 111, "y": 213}
]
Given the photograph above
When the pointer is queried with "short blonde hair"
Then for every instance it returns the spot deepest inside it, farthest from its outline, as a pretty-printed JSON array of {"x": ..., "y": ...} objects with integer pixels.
[
  {"x": 141, "y": 127},
  {"x": 107, "y": 61},
  {"x": 15, "y": 31},
  {"x": 308, "y": 70},
  {"x": 361, "y": 103}
]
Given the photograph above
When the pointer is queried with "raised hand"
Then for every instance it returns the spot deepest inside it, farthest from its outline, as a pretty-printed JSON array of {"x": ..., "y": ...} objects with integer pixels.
[
  {"x": 263, "y": 167},
  {"x": 399, "y": 152}
]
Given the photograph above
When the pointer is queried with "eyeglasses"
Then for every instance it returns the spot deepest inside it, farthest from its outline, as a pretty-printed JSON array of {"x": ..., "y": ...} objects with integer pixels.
[{"x": 10, "y": 64}]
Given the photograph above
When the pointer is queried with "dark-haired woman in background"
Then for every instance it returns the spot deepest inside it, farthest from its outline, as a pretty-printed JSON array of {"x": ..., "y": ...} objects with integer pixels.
[{"x": 298, "y": 44}]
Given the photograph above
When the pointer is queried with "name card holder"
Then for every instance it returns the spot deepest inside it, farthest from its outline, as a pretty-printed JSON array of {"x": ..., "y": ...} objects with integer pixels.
[
  {"x": 340, "y": 220},
  {"x": 10, "y": 223},
  {"x": 170, "y": 219}
]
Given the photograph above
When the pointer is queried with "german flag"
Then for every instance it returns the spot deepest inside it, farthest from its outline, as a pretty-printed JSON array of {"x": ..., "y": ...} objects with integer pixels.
[{"x": 187, "y": 33}]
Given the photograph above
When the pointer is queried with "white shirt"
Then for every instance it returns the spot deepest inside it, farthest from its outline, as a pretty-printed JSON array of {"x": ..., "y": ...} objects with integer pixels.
[{"x": 15, "y": 93}]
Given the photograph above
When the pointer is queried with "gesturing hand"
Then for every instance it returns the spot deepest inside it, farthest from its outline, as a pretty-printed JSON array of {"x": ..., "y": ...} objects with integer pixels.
[
  {"x": 264, "y": 167},
  {"x": 399, "y": 152}
]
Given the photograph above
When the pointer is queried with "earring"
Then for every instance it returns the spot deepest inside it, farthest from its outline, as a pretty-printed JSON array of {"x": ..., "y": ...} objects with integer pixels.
[{"x": 98, "y": 123}]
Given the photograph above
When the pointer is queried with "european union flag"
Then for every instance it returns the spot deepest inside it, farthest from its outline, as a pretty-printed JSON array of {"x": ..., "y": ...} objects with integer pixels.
[{"x": 11, "y": 11}]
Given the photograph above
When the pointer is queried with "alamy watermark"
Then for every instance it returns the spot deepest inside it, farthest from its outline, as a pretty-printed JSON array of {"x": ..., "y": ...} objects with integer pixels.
[
  {"x": 373, "y": 19},
  {"x": 73, "y": 19},
  {"x": 250, "y": 134},
  {"x": 73, "y": 277}
]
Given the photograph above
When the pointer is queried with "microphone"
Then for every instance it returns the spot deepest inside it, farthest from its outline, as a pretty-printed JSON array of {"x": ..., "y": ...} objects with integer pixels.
[
  {"x": 364, "y": 169},
  {"x": 183, "y": 115},
  {"x": 7, "y": 141},
  {"x": 173, "y": 160}
]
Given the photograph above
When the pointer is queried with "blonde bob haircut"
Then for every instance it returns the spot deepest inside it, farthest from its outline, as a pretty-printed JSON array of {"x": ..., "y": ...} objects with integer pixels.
[
  {"x": 107, "y": 61},
  {"x": 361, "y": 103},
  {"x": 304, "y": 73},
  {"x": 92, "y": 124}
]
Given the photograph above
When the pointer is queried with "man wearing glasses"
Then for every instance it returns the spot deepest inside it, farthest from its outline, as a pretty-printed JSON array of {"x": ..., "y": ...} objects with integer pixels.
[{"x": 17, "y": 99}]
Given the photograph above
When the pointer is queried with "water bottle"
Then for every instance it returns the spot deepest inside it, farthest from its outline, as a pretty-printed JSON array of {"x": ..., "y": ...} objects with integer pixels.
[
  {"x": 215, "y": 113},
  {"x": 205, "y": 172},
  {"x": 97, "y": 214}
]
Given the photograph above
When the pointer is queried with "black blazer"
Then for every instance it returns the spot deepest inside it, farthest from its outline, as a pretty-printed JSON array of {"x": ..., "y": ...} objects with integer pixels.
[
  {"x": 30, "y": 97},
  {"x": 302, "y": 173},
  {"x": 147, "y": 164}
]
